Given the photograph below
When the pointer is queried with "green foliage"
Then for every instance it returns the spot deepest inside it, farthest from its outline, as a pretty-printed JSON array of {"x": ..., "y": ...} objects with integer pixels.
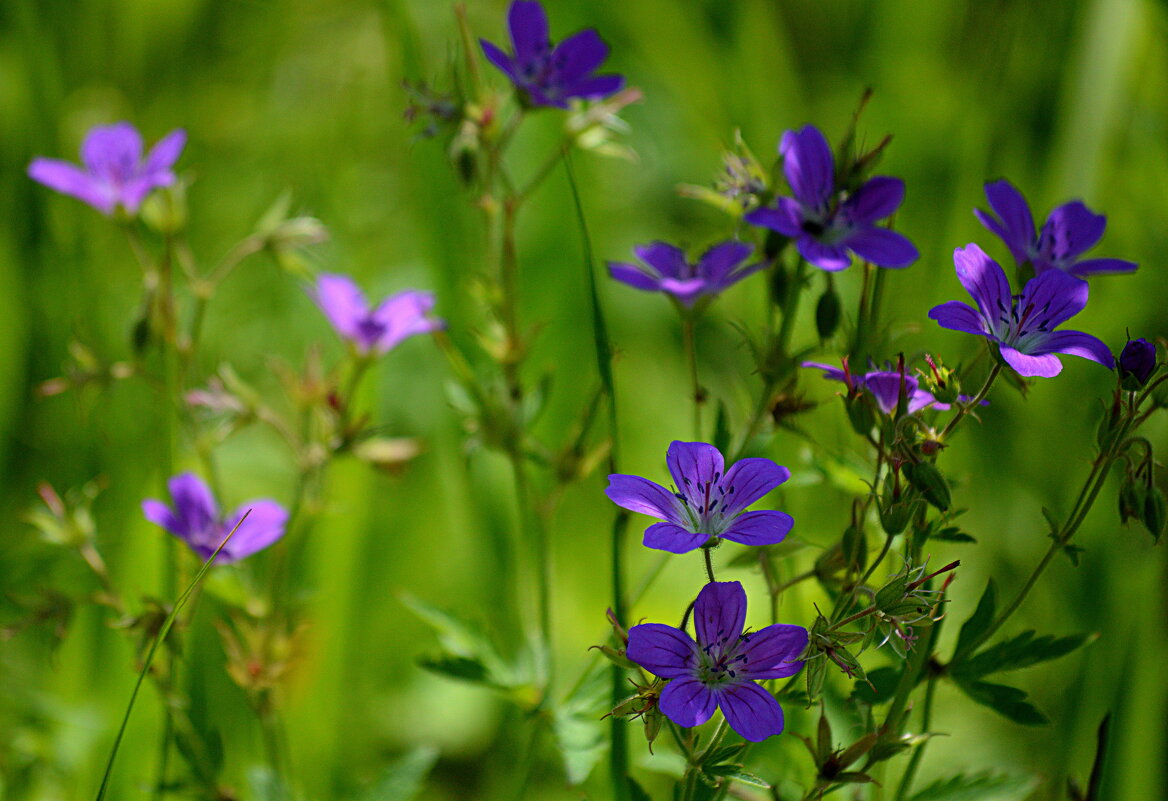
[
  {"x": 978, "y": 787},
  {"x": 403, "y": 778},
  {"x": 1021, "y": 651}
]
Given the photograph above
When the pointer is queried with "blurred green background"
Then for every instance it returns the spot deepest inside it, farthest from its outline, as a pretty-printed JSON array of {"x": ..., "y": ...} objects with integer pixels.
[{"x": 1065, "y": 98}]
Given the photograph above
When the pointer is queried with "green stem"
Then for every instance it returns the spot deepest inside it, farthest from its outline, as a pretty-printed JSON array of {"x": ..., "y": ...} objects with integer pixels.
[
  {"x": 691, "y": 358},
  {"x": 914, "y": 762},
  {"x": 965, "y": 408},
  {"x": 709, "y": 564}
]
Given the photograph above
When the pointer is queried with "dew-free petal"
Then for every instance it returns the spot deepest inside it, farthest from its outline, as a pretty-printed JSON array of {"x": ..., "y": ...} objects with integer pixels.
[
  {"x": 958, "y": 316},
  {"x": 693, "y": 465},
  {"x": 687, "y": 702},
  {"x": 883, "y": 247},
  {"x": 643, "y": 496},
  {"x": 750, "y": 710},
  {"x": 878, "y": 198},
  {"x": 751, "y": 479},
  {"x": 1028, "y": 366},
  {"x": 719, "y": 612},
  {"x": 773, "y": 652},
  {"x": 764, "y": 527},
  {"x": 808, "y": 165},
  {"x": 265, "y": 524},
  {"x": 673, "y": 538},
  {"x": 1077, "y": 343},
  {"x": 662, "y": 650}
]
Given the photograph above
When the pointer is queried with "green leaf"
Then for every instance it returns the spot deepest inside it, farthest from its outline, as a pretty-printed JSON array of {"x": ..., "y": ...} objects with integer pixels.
[
  {"x": 457, "y": 667},
  {"x": 735, "y": 773},
  {"x": 403, "y": 779},
  {"x": 978, "y": 787},
  {"x": 1010, "y": 702},
  {"x": 637, "y": 792},
  {"x": 883, "y": 686},
  {"x": 981, "y": 618},
  {"x": 578, "y": 725},
  {"x": 952, "y": 534},
  {"x": 1019, "y": 652},
  {"x": 461, "y": 638},
  {"x": 722, "y": 429}
]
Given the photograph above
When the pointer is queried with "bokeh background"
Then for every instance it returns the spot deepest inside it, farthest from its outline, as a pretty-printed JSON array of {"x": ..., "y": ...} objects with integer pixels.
[{"x": 1066, "y": 99}]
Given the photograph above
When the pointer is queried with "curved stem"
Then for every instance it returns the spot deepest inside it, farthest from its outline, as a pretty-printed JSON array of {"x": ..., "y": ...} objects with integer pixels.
[
  {"x": 709, "y": 564},
  {"x": 966, "y": 408}
]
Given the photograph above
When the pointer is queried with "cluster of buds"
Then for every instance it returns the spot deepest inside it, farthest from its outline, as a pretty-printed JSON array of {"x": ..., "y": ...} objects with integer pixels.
[
  {"x": 642, "y": 703},
  {"x": 902, "y": 603}
]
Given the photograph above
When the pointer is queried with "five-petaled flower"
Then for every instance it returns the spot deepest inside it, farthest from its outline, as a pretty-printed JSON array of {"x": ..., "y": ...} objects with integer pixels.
[
  {"x": 1069, "y": 231},
  {"x": 709, "y": 501},
  {"x": 721, "y": 668},
  {"x": 195, "y": 519},
  {"x": 1022, "y": 325},
  {"x": 826, "y": 227},
  {"x": 374, "y": 329},
  {"x": 885, "y": 386},
  {"x": 114, "y": 173},
  {"x": 667, "y": 270},
  {"x": 547, "y": 76}
]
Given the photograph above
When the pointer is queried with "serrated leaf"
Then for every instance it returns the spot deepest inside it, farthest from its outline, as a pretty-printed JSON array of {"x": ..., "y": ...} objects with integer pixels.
[
  {"x": 981, "y": 618},
  {"x": 978, "y": 787},
  {"x": 403, "y": 779},
  {"x": 579, "y": 728},
  {"x": 1009, "y": 702},
  {"x": 1019, "y": 652}
]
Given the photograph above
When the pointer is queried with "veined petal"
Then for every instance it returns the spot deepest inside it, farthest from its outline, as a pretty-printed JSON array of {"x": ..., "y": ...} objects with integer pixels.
[
  {"x": 875, "y": 200},
  {"x": 747, "y": 480},
  {"x": 666, "y": 259},
  {"x": 69, "y": 179},
  {"x": 773, "y": 652},
  {"x": 529, "y": 30},
  {"x": 673, "y": 538},
  {"x": 633, "y": 276},
  {"x": 750, "y": 710},
  {"x": 264, "y": 525},
  {"x": 1076, "y": 343},
  {"x": 342, "y": 302},
  {"x": 643, "y": 496},
  {"x": 687, "y": 702},
  {"x": 985, "y": 280},
  {"x": 719, "y": 613},
  {"x": 885, "y": 387},
  {"x": 1071, "y": 229},
  {"x": 1100, "y": 266},
  {"x": 785, "y": 219},
  {"x": 720, "y": 260},
  {"x": 832, "y": 258},
  {"x": 764, "y": 527},
  {"x": 578, "y": 56},
  {"x": 959, "y": 316},
  {"x": 1044, "y": 366},
  {"x": 1051, "y": 298},
  {"x": 662, "y": 650},
  {"x": 693, "y": 465},
  {"x": 1017, "y": 223},
  {"x": 808, "y": 165},
  {"x": 882, "y": 247},
  {"x": 165, "y": 153}
]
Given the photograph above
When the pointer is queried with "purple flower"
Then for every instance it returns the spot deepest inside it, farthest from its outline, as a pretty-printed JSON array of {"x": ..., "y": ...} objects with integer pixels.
[
  {"x": 826, "y": 228},
  {"x": 1137, "y": 362},
  {"x": 374, "y": 329},
  {"x": 721, "y": 668},
  {"x": 1022, "y": 325},
  {"x": 883, "y": 385},
  {"x": 114, "y": 171},
  {"x": 1069, "y": 231},
  {"x": 547, "y": 76},
  {"x": 668, "y": 271},
  {"x": 196, "y": 521},
  {"x": 711, "y": 501}
]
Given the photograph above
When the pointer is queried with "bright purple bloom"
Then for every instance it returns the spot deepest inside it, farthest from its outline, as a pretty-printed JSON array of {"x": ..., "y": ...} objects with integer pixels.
[
  {"x": 884, "y": 386},
  {"x": 1069, "y": 231},
  {"x": 374, "y": 329},
  {"x": 547, "y": 76},
  {"x": 721, "y": 668},
  {"x": 666, "y": 270},
  {"x": 711, "y": 501},
  {"x": 826, "y": 228},
  {"x": 1137, "y": 362},
  {"x": 115, "y": 173},
  {"x": 196, "y": 521},
  {"x": 1022, "y": 325}
]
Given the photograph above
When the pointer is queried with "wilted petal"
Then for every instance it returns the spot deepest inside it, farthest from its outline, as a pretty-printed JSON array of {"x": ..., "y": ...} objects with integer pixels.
[
  {"x": 265, "y": 523},
  {"x": 1076, "y": 343},
  {"x": 875, "y": 200},
  {"x": 643, "y": 496},
  {"x": 666, "y": 259},
  {"x": 882, "y": 247},
  {"x": 687, "y": 702},
  {"x": 959, "y": 316},
  {"x": 1044, "y": 366},
  {"x": 747, "y": 480},
  {"x": 751, "y": 711},
  {"x": 719, "y": 612},
  {"x": 529, "y": 30},
  {"x": 808, "y": 165},
  {"x": 764, "y": 527},
  {"x": 673, "y": 538},
  {"x": 773, "y": 652},
  {"x": 693, "y": 465},
  {"x": 69, "y": 179},
  {"x": 662, "y": 650},
  {"x": 633, "y": 276}
]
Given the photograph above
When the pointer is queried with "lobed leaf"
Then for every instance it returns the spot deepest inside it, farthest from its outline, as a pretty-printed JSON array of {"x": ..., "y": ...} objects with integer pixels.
[{"x": 1018, "y": 652}]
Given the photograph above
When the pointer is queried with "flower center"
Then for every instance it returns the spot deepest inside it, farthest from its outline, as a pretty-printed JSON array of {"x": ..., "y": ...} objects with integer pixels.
[
  {"x": 723, "y": 659},
  {"x": 705, "y": 503}
]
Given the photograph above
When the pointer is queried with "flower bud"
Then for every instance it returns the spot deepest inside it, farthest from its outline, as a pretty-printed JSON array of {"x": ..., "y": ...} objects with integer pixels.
[
  {"x": 928, "y": 479},
  {"x": 827, "y": 313},
  {"x": 1154, "y": 512},
  {"x": 1137, "y": 362}
]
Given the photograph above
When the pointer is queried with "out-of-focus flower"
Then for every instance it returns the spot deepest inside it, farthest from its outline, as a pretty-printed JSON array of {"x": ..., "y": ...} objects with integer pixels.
[
  {"x": 667, "y": 270},
  {"x": 721, "y": 668},
  {"x": 547, "y": 76},
  {"x": 884, "y": 386},
  {"x": 1137, "y": 362},
  {"x": 1022, "y": 325},
  {"x": 827, "y": 227},
  {"x": 195, "y": 519},
  {"x": 1069, "y": 231},
  {"x": 710, "y": 501},
  {"x": 114, "y": 172},
  {"x": 374, "y": 329}
]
